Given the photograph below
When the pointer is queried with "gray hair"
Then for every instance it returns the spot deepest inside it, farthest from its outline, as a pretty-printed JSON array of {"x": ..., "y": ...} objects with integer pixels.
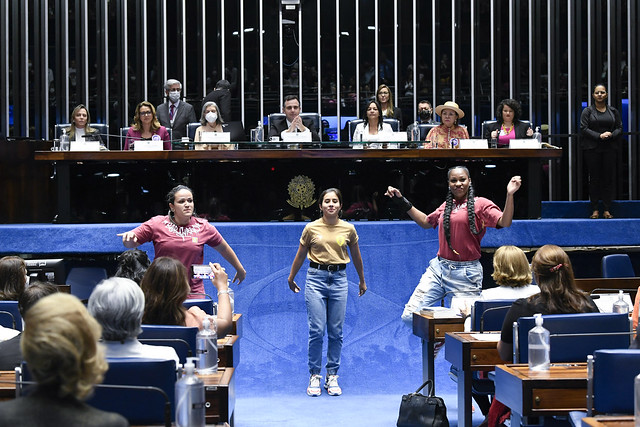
[
  {"x": 118, "y": 305},
  {"x": 172, "y": 82},
  {"x": 203, "y": 121}
]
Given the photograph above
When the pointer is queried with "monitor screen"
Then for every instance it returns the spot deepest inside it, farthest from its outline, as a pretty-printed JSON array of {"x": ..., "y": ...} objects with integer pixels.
[{"x": 49, "y": 270}]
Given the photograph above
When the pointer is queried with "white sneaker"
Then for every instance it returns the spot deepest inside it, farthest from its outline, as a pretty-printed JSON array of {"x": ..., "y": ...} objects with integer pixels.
[
  {"x": 314, "y": 386},
  {"x": 331, "y": 384}
]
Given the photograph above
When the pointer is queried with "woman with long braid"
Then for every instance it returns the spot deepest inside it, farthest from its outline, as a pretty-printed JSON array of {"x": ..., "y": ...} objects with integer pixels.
[{"x": 463, "y": 220}]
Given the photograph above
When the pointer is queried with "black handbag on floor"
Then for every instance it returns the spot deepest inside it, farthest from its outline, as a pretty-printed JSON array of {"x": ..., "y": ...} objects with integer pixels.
[{"x": 417, "y": 410}]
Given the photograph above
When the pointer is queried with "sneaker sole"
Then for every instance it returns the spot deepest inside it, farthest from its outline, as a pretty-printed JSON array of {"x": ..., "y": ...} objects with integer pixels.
[
  {"x": 312, "y": 394},
  {"x": 334, "y": 393}
]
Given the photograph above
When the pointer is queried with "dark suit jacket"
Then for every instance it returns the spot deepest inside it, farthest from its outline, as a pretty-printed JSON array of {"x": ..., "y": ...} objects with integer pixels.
[
  {"x": 222, "y": 98},
  {"x": 43, "y": 409},
  {"x": 10, "y": 353},
  {"x": 279, "y": 125},
  {"x": 520, "y": 128},
  {"x": 182, "y": 117}
]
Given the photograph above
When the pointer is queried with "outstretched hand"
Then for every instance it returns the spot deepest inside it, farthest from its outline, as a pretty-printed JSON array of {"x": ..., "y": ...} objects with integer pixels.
[
  {"x": 294, "y": 286},
  {"x": 514, "y": 184},
  {"x": 392, "y": 192}
]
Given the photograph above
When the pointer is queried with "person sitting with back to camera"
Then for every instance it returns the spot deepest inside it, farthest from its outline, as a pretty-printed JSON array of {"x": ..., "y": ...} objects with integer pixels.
[
  {"x": 211, "y": 121},
  {"x": 132, "y": 264},
  {"x": 146, "y": 126},
  {"x": 292, "y": 122},
  {"x": 13, "y": 277},
  {"x": 507, "y": 125},
  {"x": 60, "y": 346},
  {"x": 118, "y": 305},
  {"x": 449, "y": 130},
  {"x": 373, "y": 128},
  {"x": 165, "y": 288},
  {"x": 512, "y": 274},
  {"x": 10, "y": 353}
]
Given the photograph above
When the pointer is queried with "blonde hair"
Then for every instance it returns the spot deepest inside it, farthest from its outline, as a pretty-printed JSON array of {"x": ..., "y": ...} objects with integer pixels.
[
  {"x": 510, "y": 267},
  {"x": 60, "y": 345}
]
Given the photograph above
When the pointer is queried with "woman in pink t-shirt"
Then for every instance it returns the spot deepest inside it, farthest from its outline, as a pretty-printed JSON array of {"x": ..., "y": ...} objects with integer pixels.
[{"x": 182, "y": 235}]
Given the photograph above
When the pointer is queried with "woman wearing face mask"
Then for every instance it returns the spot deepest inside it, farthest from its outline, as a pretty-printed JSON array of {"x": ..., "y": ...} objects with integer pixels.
[
  {"x": 211, "y": 122},
  {"x": 441, "y": 136}
]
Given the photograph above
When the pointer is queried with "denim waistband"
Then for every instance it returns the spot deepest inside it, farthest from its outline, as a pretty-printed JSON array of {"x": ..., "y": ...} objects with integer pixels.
[{"x": 457, "y": 263}]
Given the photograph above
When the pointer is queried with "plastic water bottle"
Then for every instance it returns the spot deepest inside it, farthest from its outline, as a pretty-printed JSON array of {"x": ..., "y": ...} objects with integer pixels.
[
  {"x": 207, "y": 347},
  {"x": 637, "y": 401},
  {"x": 538, "y": 346},
  {"x": 190, "y": 401},
  {"x": 620, "y": 306},
  {"x": 537, "y": 135},
  {"x": 415, "y": 132},
  {"x": 494, "y": 143},
  {"x": 64, "y": 141},
  {"x": 259, "y": 132}
]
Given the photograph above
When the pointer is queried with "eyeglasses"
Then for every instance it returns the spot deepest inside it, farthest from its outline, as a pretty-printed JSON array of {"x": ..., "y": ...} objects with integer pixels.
[{"x": 145, "y": 113}]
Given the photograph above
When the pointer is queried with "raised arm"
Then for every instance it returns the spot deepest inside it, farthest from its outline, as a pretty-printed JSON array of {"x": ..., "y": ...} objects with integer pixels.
[
  {"x": 224, "y": 318},
  {"x": 414, "y": 213},
  {"x": 507, "y": 212},
  {"x": 228, "y": 254},
  {"x": 301, "y": 255}
]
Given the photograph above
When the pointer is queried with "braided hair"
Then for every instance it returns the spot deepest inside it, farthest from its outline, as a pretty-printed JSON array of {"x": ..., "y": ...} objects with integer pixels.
[{"x": 446, "y": 217}]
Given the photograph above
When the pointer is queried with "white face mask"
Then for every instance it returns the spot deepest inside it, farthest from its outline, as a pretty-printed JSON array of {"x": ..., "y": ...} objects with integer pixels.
[
  {"x": 211, "y": 117},
  {"x": 174, "y": 95}
]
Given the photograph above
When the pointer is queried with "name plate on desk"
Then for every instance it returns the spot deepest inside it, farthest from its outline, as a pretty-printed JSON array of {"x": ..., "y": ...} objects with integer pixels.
[
  {"x": 220, "y": 137},
  {"x": 473, "y": 143},
  {"x": 524, "y": 143},
  {"x": 84, "y": 145},
  {"x": 148, "y": 145},
  {"x": 296, "y": 137},
  {"x": 398, "y": 137}
]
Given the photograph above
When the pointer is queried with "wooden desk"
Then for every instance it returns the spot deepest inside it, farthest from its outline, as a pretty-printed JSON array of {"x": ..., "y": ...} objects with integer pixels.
[
  {"x": 610, "y": 421},
  {"x": 431, "y": 331},
  {"x": 530, "y": 395},
  {"x": 7, "y": 385},
  {"x": 229, "y": 351},
  {"x": 220, "y": 396},
  {"x": 590, "y": 284},
  {"x": 313, "y": 159},
  {"x": 468, "y": 354},
  {"x": 236, "y": 328}
]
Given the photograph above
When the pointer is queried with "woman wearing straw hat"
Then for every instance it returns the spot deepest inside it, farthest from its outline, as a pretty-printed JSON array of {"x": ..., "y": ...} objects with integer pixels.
[{"x": 442, "y": 135}]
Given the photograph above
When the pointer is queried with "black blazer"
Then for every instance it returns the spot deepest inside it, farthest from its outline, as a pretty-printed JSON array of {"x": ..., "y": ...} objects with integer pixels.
[
  {"x": 520, "y": 129},
  {"x": 222, "y": 98},
  {"x": 279, "y": 125},
  {"x": 591, "y": 127}
]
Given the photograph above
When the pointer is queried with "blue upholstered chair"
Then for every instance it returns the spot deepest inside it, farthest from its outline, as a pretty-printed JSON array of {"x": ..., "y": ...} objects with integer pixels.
[
  {"x": 488, "y": 315},
  {"x": 574, "y": 336},
  {"x": 83, "y": 280},
  {"x": 7, "y": 320},
  {"x": 181, "y": 338},
  {"x": 352, "y": 127},
  {"x": 11, "y": 307},
  {"x": 191, "y": 130},
  {"x": 151, "y": 400},
  {"x": 617, "y": 265},
  {"x": 206, "y": 304},
  {"x": 611, "y": 384},
  {"x": 394, "y": 123},
  {"x": 425, "y": 128}
]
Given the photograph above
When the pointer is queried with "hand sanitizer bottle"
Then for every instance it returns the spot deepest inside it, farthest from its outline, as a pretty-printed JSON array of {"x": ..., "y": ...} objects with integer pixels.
[
  {"x": 190, "y": 401},
  {"x": 64, "y": 141},
  {"x": 537, "y": 135},
  {"x": 620, "y": 306},
  {"x": 207, "y": 347},
  {"x": 538, "y": 346},
  {"x": 415, "y": 132}
]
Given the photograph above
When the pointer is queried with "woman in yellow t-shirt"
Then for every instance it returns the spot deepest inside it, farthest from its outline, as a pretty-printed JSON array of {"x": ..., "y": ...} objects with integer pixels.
[{"x": 325, "y": 241}]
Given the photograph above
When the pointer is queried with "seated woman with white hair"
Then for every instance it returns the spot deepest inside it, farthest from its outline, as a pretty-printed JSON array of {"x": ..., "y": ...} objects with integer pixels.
[
  {"x": 118, "y": 305},
  {"x": 60, "y": 345}
]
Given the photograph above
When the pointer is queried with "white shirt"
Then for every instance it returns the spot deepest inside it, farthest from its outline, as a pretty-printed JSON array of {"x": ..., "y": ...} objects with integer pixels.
[
  {"x": 362, "y": 133},
  {"x": 7, "y": 333},
  {"x": 134, "y": 348},
  {"x": 303, "y": 133}
]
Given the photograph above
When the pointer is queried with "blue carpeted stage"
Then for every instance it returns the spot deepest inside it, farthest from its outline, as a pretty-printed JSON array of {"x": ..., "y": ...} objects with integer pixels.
[{"x": 380, "y": 357}]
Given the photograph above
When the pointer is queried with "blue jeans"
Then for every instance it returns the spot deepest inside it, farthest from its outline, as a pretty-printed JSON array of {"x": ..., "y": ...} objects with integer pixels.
[
  {"x": 444, "y": 279},
  {"x": 326, "y": 296}
]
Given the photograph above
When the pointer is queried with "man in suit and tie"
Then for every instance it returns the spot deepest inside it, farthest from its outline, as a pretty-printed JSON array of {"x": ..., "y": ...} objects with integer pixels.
[
  {"x": 175, "y": 114},
  {"x": 292, "y": 122}
]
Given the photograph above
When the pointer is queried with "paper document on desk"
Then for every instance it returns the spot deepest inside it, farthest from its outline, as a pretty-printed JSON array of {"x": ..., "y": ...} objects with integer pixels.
[
  {"x": 490, "y": 337},
  {"x": 440, "y": 312}
]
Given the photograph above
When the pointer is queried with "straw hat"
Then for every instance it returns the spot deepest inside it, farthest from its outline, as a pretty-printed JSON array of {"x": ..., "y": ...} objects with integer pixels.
[{"x": 450, "y": 105}]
